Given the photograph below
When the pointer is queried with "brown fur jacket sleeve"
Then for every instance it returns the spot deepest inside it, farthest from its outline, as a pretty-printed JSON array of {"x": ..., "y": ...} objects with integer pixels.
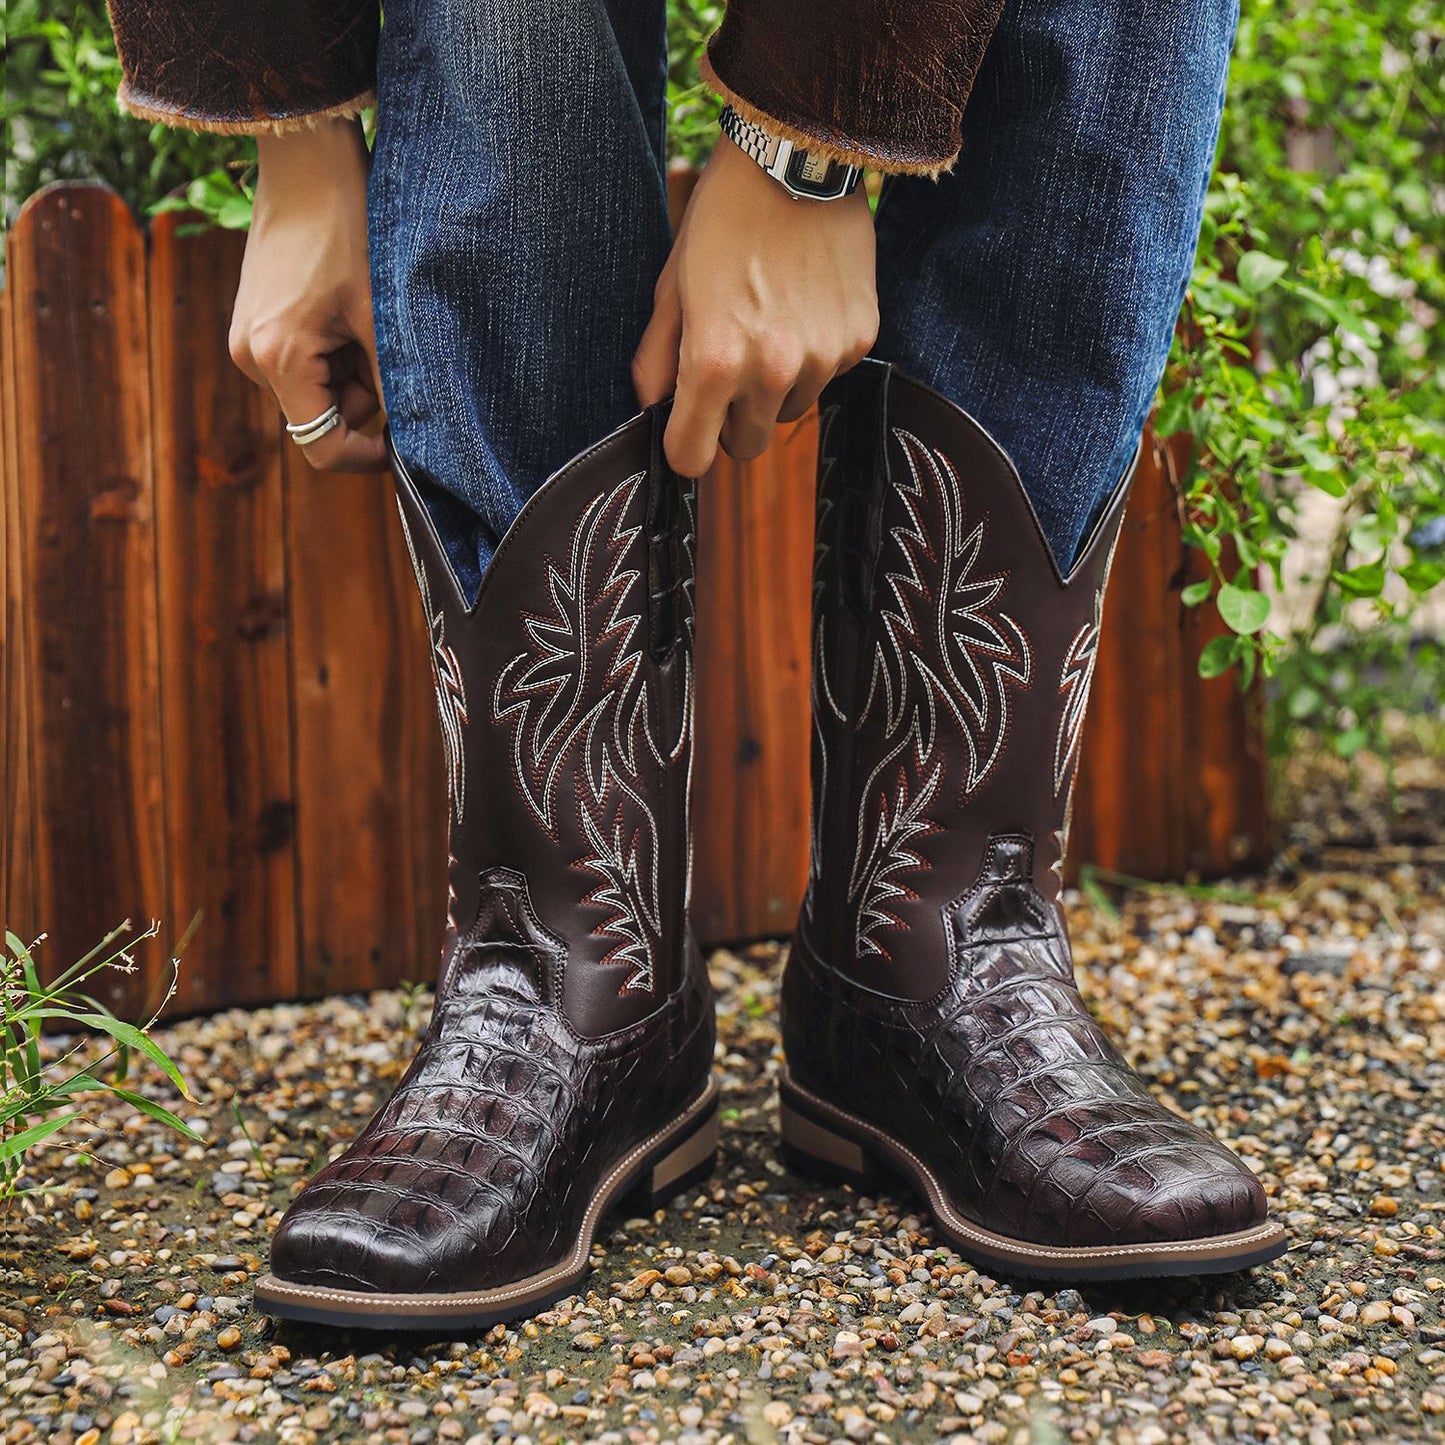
[
  {"x": 881, "y": 83},
  {"x": 245, "y": 65}
]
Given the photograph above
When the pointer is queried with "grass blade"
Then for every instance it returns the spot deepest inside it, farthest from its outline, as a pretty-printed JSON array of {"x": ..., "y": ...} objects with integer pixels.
[
  {"x": 17, "y": 1144},
  {"x": 158, "y": 1112}
]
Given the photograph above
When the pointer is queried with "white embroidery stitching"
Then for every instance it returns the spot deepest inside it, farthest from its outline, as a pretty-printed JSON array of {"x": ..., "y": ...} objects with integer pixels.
[
  {"x": 820, "y": 686},
  {"x": 684, "y": 737},
  {"x": 447, "y": 679},
  {"x": 940, "y": 604},
  {"x": 890, "y": 854},
  {"x": 1076, "y": 682},
  {"x": 1075, "y": 679},
  {"x": 541, "y": 693},
  {"x": 953, "y": 618}
]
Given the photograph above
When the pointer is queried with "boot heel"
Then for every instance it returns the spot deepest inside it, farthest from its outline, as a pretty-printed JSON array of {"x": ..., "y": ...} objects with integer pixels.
[
  {"x": 687, "y": 1163},
  {"x": 815, "y": 1149}
]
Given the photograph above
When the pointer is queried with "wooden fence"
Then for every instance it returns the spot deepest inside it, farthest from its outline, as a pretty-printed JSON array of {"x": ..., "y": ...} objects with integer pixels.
[{"x": 216, "y": 691}]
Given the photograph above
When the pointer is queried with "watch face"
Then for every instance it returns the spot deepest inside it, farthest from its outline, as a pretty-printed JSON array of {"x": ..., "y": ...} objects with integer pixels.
[{"x": 815, "y": 176}]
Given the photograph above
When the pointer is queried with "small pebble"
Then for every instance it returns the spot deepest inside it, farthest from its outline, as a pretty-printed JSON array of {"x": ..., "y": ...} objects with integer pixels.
[{"x": 764, "y": 1305}]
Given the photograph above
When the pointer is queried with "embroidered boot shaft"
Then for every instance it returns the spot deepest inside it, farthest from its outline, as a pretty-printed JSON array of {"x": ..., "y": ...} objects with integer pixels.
[
  {"x": 931, "y": 1019},
  {"x": 567, "y": 1061}
]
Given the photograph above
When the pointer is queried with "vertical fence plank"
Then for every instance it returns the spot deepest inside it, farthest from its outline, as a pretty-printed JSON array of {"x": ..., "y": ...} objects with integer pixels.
[
  {"x": 1224, "y": 769},
  {"x": 82, "y": 394},
  {"x": 1173, "y": 774},
  {"x": 369, "y": 788},
  {"x": 17, "y": 840},
  {"x": 1125, "y": 800},
  {"x": 755, "y": 548},
  {"x": 222, "y": 581}
]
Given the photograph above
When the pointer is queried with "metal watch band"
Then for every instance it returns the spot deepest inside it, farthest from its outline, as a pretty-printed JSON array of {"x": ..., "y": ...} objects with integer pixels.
[
  {"x": 749, "y": 137},
  {"x": 795, "y": 168}
]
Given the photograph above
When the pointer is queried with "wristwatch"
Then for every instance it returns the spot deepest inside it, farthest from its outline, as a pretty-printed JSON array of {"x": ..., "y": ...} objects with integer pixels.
[{"x": 802, "y": 174}]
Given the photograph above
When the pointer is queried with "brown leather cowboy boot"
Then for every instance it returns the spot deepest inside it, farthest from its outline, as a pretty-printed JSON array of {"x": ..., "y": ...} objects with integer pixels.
[
  {"x": 931, "y": 1020},
  {"x": 568, "y": 1059}
]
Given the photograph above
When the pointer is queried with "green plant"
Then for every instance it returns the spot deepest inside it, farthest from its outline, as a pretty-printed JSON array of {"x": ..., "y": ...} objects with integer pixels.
[
  {"x": 38, "y": 1098},
  {"x": 692, "y": 108},
  {"x": 1309, "y": 368},
  {"x": 256, "y": 1154},
  {"x": 1311, "y": 362},
  {"x": 62, "y": 121}
]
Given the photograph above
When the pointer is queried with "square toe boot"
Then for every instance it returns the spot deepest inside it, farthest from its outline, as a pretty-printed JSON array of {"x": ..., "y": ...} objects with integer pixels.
[
  {"x": 931, "y": 1021},
  {"x": 568, "y": 1060}
]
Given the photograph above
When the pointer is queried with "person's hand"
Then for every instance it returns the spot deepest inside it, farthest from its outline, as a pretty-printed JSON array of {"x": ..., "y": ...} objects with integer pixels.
[
  {"x": 763, "y": 301},
  {"x": 302, "y": 324}
]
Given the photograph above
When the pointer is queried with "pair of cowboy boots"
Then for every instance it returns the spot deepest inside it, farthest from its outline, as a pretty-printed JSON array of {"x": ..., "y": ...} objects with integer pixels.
[{"x": 930, "y": 1018}]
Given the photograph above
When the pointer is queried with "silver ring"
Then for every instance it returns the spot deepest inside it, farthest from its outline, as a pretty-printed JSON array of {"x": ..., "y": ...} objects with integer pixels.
[
  {"x": 316, "y": 434},
  {"x": 303, "y": 433}
]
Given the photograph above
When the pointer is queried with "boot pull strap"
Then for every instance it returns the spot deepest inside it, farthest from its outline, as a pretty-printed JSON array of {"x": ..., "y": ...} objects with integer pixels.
[
  {"x": 667, "y": 564},
  {"x": 865, "y": 479}
]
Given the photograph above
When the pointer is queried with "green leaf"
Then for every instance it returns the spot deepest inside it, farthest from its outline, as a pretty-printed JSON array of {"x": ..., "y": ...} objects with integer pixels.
[
  {"x": 1303, "y": 702},
  {"x": 26, "y": 1059},
  {"x": 1364, "y": 581},
  {"x": 77, "y": 1084},
  {"x": 16, "y": 1144},
  {"x": 1331, "y": 482},
  {"x": 1349, "y": 742},
  {"x": 125, "y": 1034},
  {"x": 1372, "y": 534},
  {"x": 1259, "y": 271},
  {"x": 234, "y": 213},
  {"x": 1091, "y": 888},
  {"x": 1243, "y": 609},
  {"x": 1339, "y": 312},
  {"x": 1248, "y": 662},
  {"x": 132, "y": 1037},
  {"x": 1421, "y": 576},
  {"x": 1173, "y": 413},
  {"x": 155, "y": 1111},
  {"x": 1196, "y": 592},
  {"x": 1219, "y": 655}
]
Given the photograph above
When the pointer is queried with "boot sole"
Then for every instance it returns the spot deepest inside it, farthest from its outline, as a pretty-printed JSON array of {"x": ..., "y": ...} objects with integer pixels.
[
  {"x": 822, "y": 1140},
  {"x": 648, "y": 1176}
]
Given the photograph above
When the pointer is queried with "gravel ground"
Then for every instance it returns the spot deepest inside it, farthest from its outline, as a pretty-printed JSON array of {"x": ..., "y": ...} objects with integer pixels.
[{"x": 1301, "y": 1016}]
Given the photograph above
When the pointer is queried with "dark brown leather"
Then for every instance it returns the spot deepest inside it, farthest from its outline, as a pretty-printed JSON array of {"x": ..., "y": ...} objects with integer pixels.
[
  {"x": 574, "y": 1016},
  {"x": 930, "y": 987},
  {"x": 228, "y": 65},
  {"x": 882, "y": 83}
]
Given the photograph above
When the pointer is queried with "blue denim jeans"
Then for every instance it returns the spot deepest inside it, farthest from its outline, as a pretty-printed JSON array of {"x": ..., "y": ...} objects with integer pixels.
[{"x": 518, "y": 221}]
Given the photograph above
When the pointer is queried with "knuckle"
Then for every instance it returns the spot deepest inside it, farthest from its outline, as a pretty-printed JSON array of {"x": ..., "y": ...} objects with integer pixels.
[
  {"x": 270, "y": 345},
  {"x": 238, "y": 346},
  {"x": 780, "y": 368},
  {"x": 713, "y": 362},
  {"x": 866, "y": 331}
]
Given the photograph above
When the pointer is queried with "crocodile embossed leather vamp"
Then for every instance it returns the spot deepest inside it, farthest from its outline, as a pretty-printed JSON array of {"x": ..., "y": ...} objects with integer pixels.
[
  {"x": 931, "y": 1020},
  {"x": 568, "y": 1060}
]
